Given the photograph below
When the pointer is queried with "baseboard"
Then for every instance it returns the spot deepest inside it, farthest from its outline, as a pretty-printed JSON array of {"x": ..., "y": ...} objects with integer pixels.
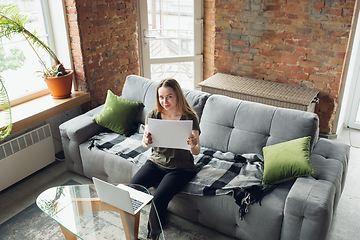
[{"x": 328, "y": 136}]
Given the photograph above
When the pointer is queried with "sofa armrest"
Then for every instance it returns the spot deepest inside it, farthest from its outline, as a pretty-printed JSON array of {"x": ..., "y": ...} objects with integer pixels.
[
  {"x": 331, "y": 150},
  {"x": 308, "y": 210},
  {"x": 76, "y": 131}
]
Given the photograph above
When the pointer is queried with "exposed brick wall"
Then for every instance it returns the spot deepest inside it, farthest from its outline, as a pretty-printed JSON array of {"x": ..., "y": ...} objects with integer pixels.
[
  {"x": 300, "y": 42},
  {"x": 104, "y": 45}
]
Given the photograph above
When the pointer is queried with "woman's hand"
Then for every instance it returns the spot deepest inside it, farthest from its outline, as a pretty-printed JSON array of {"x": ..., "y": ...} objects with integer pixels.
[
  {"x": 146, "y": 139},
  {"x": 194, "y": 141}
]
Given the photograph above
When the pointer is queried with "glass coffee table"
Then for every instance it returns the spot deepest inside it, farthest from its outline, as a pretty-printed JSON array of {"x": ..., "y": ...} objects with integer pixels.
[{"x": 81, "y": 215}]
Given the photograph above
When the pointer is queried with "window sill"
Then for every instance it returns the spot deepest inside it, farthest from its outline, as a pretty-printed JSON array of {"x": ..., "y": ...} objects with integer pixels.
[{"x": 29, "y": 113}]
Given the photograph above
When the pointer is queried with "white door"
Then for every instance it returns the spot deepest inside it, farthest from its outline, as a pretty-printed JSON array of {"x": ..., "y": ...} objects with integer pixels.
[
  {"x": 354, "y": 117},
  {"x": 171, "y": 40},
  {"x": 354, "y": 76}
]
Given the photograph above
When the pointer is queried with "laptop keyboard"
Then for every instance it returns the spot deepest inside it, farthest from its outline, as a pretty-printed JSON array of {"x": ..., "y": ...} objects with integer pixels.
[{"x": 136, "y": 203}]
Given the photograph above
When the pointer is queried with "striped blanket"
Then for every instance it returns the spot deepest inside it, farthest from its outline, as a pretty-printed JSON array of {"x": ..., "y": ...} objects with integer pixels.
[{"x": 218, "y": 173}]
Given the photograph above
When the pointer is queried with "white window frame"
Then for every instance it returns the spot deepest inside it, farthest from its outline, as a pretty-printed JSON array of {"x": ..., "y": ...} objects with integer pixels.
[
  {"x": 146, "y": 61},
  {"x": 59, "y": 39}
]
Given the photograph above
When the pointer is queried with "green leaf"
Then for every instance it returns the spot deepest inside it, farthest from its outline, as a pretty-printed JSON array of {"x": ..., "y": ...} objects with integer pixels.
[
  {"x": 13, "y": 22},
  {"x": 6, "y": 108}
]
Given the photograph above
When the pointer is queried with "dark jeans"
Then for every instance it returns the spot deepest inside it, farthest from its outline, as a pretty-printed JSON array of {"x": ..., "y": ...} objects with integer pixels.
[{"x": 168, "y": 182}]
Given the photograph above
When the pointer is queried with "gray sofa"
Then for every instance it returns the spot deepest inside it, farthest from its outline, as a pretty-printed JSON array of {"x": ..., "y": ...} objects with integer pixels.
[{"x": 302, "y": 208}]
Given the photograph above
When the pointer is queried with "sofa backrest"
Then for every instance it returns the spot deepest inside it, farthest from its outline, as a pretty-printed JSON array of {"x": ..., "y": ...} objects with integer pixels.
[
  {"x": 229, "y": 124},
  {"x": 140, "y": 89}
]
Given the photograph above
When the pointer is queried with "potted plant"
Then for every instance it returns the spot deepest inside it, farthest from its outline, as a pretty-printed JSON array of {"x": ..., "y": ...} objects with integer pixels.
[{"x": 58, "y": 79}]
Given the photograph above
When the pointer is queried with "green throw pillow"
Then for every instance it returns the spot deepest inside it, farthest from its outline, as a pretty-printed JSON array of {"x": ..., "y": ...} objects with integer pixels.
[
  {"x": 118, "y": 114},
  {"x": 287, "y": 160}
]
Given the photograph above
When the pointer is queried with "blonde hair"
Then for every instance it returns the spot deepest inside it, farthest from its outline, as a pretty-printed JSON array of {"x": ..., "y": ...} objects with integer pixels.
[{"x": 182, "y": 104}]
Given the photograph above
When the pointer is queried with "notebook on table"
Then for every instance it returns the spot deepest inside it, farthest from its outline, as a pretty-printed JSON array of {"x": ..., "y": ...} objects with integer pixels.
[{"x": 121, "y": 196}]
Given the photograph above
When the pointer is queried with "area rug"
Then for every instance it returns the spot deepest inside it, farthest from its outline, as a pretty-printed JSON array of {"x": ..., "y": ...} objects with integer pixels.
[{"x": 32, "y": 223}]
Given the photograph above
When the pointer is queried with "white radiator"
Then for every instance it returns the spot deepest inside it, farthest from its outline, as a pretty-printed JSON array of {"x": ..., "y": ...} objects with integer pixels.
[{"x": 24, "y": 155}]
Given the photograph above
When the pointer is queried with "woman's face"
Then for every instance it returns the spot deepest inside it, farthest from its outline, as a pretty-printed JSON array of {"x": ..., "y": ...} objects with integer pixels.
[{"x": 167, "y": 98}]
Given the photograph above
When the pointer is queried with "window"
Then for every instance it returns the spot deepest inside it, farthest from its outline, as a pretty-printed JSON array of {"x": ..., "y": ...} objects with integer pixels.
[
  {"x": 171, "y": 40},
  {"x": 19, "y": 61},
  {"x": 19, "y": 64}
]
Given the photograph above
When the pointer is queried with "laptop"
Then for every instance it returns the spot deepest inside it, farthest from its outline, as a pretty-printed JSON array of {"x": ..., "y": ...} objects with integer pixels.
[{"x": 121, "y": 196}]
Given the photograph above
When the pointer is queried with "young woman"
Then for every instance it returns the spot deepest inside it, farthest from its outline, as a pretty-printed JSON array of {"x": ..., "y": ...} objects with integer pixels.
[{"x": 168, "y": 169}]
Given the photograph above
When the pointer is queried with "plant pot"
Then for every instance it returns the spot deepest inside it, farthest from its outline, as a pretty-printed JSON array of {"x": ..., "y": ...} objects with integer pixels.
[{"x": 60, "y": 87}]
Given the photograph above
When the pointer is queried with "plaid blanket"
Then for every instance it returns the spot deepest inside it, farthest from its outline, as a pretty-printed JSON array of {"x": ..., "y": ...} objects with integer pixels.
[
  {"x": 218, "y": 173},
  {"x": 129, "y": 148}
]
